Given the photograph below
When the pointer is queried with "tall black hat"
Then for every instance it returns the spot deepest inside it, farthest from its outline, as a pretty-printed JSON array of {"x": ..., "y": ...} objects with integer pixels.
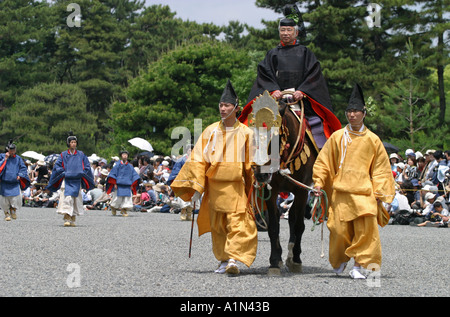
[
  {"x": 229, "y": 95},
  {"x": 70, "y": 138},
  {"x": 123, "y": 151},
  {"x": 293, "y": 17},
  {"x": 10, "y": 145},
  {"x": 356, "y": 101}
]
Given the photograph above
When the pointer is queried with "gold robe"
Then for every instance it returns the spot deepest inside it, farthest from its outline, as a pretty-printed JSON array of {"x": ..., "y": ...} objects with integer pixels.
[
  {"x": 220, "y": 168},
  {"x": 354, "y": 170}
]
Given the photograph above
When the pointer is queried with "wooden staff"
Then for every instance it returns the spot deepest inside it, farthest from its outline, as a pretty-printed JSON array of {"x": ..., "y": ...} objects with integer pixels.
[{"x": 192, "y": 230}]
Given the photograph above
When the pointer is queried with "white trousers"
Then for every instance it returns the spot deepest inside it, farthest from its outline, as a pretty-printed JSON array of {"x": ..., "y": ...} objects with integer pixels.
[
  {"x": 121, "y": 202},
  {"x": 73, "y": 206},
  {"x": 11, "y": 201}
]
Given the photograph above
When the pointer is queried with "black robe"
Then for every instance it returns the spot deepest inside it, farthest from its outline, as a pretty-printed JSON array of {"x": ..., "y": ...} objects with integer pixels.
[
  {"x": 295, "y": 66},
  {"x": 292, "y": 66}
]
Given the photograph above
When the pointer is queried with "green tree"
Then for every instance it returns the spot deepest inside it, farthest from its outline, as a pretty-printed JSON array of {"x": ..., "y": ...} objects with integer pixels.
[
  {"x": 410, "y": 119},
  {"x": 434, "y": 28},
  {"x": 90, "y": 54},
  {"x": 182, "y": 85},
  {"x": 155, "y": 32},
  {"x": 26, "y": 45},
  {"x": 43, "y": 115}
]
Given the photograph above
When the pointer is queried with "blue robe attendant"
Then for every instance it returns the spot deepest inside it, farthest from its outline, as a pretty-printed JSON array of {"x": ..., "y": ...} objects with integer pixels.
[
  {"x": 75, "y": 170},
  {"x": 9, "y": 170},
  {"x": 125, "y": 177}
]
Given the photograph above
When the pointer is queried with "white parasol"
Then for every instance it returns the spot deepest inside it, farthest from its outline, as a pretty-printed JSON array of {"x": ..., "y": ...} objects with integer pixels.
[
  {"x": 142, "y": 144},
  {"x": 94, "y": 157},
  {"x": 33, "y": 155}
]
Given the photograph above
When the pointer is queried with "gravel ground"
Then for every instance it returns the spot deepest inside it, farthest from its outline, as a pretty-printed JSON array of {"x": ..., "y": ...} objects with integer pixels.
[{"x": 146, "y": 255}]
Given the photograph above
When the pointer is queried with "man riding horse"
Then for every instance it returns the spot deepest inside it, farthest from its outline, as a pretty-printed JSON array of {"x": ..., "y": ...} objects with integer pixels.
[{"x": 293, "y": 66}]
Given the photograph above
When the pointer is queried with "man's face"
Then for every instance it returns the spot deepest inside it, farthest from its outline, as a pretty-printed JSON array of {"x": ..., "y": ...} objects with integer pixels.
[
  {"x": 226, "y": 109},
  {"x": 73, "y": 144},
  {"x": 288, "y": 34},
  {"x": 124, "y": 157},
  {"x": 12, "y": 152},
  {"x": 354, "y": 116}
]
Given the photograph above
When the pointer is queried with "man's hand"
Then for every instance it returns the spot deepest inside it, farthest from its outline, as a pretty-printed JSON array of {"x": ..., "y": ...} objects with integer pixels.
[
  {"x": 318, "y": 191},
  {"x": 277, "y": 94},
  {"x": 298, "y": 95}
]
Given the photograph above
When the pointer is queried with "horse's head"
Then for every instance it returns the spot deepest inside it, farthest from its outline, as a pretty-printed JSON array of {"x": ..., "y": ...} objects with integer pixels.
[
  {"x": 276, "y": 139},
  {"x": 266, "y": 122}
]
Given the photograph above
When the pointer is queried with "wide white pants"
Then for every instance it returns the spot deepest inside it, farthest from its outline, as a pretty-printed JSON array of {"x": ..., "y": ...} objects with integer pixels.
[
  {"x": 73, "y": 206},
  {"x": 7, "y": 202},
  {"x": 121, "y": 202}
]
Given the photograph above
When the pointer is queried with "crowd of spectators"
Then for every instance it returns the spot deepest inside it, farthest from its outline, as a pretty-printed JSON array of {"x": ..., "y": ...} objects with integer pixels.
[
  {"x": 422, "y": 189},
  {"x": 153, "y": 194},
  {"x": 423, "y": 186}
]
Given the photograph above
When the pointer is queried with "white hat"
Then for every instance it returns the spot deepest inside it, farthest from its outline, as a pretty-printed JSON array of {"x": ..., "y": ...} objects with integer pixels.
[
  {"x": 401, "y": 165},
  {"x": 429, "y": 196},
  {"x": 393, "y": 155},
  {"x": 158, "y": 187},
  {"x": 104, "y": 172},
  {"x": 165, "y": 163},
  {"x": 428, "y": 152},
  {"x": 418, "y": 155},
  {"x": 409, "y": 152}
]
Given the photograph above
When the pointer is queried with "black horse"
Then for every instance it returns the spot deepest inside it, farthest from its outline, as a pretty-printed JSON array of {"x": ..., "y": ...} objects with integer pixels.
[{"x": 297, "y": 154}]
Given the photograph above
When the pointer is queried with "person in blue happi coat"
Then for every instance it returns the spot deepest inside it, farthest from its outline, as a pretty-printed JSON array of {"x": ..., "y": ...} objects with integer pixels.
[
  {"x": 71, "y": 174},
  {"x": 122, "y": 183},
  {"x": 14, "y": 179}
]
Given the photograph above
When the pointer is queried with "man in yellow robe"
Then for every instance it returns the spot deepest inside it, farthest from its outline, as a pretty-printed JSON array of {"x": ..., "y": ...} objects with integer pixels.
[
  {"x": 220, "y": 168},
  {"x": 354, "y": 170}
]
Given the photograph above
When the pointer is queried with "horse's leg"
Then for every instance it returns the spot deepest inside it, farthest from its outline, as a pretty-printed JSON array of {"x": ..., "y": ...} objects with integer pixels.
[
  {"x": 296, "y": 229},
  {"x": 274, "y": 235}
]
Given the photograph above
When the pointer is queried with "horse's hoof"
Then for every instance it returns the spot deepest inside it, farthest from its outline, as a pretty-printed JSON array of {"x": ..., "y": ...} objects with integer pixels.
[
  {"x": 293, "y": 266},
  {"x": 274, "y": 271}
]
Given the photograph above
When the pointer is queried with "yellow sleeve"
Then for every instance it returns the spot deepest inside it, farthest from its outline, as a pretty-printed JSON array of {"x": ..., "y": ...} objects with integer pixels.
[
  {"x": 382, "y": 178},
  {"x": 325, "y": 167},
  {"x": 249, "y": 150}
]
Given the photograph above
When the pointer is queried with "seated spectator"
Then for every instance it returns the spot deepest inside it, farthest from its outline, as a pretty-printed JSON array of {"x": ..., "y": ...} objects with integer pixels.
[
  {"x": 145, "y": 167},
  {"x": 394, "y": 159},
  {"x": 400, "y": 211},
  {"x": 400, "y": 173},
  {"x": 100, "y": 199},
  {"x": 411, "y": 168},
  {"x": 86, "y": 196},
  {"x": 417, "y": 201},
  {"x": 438, "y": 217},
  {"x": 162, "y": 199}
]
